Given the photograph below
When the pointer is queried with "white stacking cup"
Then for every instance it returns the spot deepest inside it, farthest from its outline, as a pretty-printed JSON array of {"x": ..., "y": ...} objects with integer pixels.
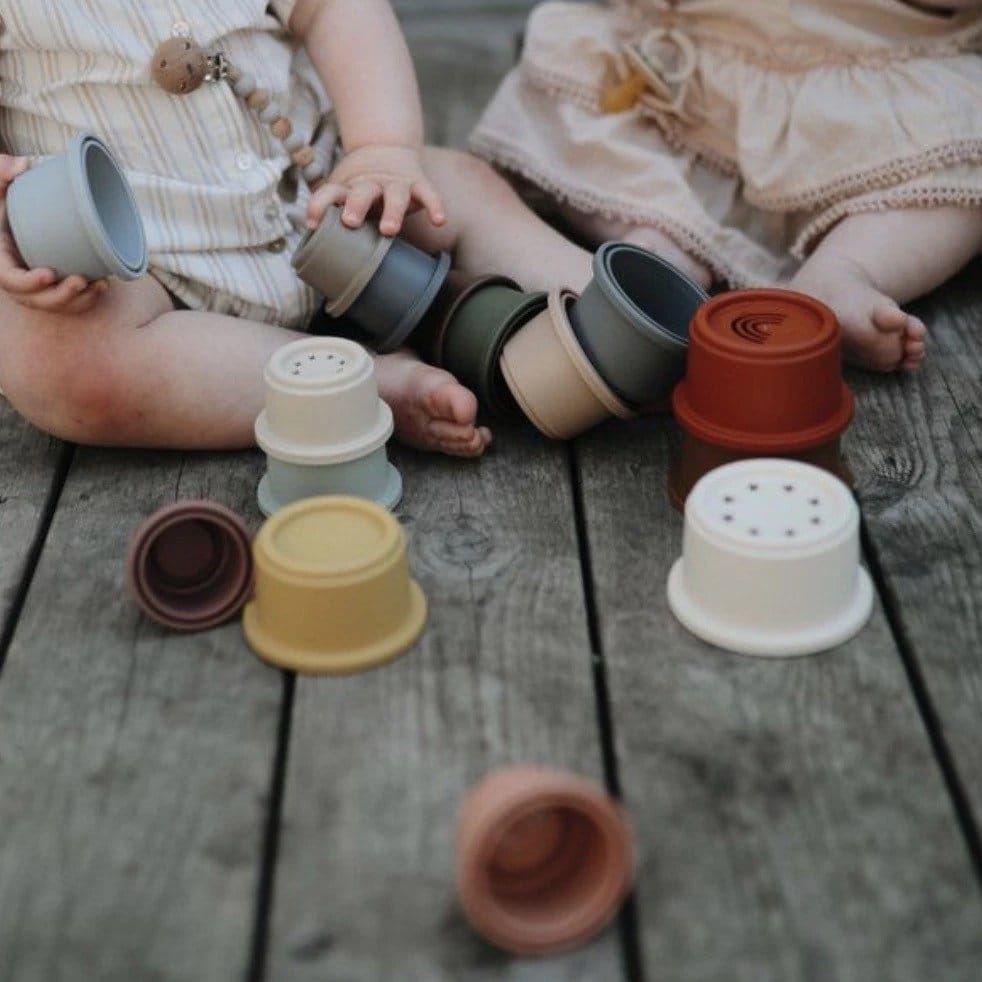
[
  {"x": 324, "y": 428},
  {"x": 770, "y": 560}
]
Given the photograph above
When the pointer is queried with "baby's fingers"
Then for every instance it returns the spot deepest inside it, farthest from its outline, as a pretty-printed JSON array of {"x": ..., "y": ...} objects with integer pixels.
[
  {"x": 323, "y": 198},
  {"x": 56, "y": 299},
  {"x": 427, "y": 196},
  {"x": 397, "y": 198},
  {"x": 20, "y": 282},
  {"x": 11, "y": 167},
  {"x": 360, "y": 201}
]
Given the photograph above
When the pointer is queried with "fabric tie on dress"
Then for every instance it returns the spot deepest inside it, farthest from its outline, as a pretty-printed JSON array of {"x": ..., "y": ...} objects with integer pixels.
[{"x": 659, "y": 71}]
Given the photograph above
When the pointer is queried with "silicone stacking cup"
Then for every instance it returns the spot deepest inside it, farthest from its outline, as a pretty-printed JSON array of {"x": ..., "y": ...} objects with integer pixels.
[
  {"x": 764, "y": 378},
  {"x": 75, "y": 214},
  {"x": 333, "y": 593},
  {"x": 324, "y": 428},
  {"x": 770, "y": 560},
  {"x": 189, "y": 565},
  {"x": 384, "y": 285},
  {"x": 475, "y": 336},
  {"x": 544, "y": 859},
  {"x": 552, "y": 379},
  {"x": 338, "y": 261},
  {"x": 427, "y": 339},
  {"x": 633, "y": 322}
]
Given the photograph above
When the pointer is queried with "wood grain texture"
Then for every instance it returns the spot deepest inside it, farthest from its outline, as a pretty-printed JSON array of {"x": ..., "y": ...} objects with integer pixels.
[
  {"x": 916, "y": 449},
  {"x": 379, "y": 762},
  {"x": 794, "y": 823},
  {"x": 28, "y": 461},
  {"x": 134, "y": 763}
]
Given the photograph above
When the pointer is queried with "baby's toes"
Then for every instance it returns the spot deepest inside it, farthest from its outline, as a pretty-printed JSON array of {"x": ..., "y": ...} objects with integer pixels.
[
  {"x": 450, "y": 401},
  {"x": 889, "y": 318},
  {"x": 456, "y": 439},
  {"x": 916, "y": 329}
]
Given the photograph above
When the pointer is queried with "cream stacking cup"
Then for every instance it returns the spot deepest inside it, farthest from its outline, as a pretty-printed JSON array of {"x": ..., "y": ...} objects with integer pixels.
[
  {"x": 770, "y": 560},
  {"x": 324, "y": 428}
]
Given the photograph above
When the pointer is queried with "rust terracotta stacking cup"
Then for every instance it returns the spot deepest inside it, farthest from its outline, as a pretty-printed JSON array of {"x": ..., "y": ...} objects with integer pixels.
[
  {"x": 544, "y": 859},
  {"x": 633, "y": 322},
  {"x": 333, "y": 594},
  {"x": 189, "y": 565},
  {"x": 764, "y": 378},
  {"x": 552, "y": 379},
  {"x": 324, "y": 428},
  {"x": 383, "y": 285}
]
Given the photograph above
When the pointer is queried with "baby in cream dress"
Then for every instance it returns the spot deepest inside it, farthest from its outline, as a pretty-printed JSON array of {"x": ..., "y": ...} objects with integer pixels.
[{"x": 831, "y": 145}]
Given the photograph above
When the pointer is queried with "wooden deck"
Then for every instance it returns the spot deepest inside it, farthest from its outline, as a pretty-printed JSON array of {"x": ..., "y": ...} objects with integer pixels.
[{"x": 171, "y": 809}]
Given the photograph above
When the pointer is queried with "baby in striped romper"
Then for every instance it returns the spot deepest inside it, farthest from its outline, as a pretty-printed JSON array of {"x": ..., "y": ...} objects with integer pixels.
[{"x": 175, "y": 359}]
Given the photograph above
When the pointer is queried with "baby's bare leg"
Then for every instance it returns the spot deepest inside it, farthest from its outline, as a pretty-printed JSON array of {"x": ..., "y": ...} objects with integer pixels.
[
  {"x": 598, "y": 229},
  {"x": 490, "y": 230},
  {"x": 135, "y": 372},
  {"x": 869, "y": 264}
]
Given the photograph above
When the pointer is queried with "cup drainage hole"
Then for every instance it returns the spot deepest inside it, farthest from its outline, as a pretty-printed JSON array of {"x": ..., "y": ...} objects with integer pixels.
[
  {"x": 754, "y": 531},
  {"x": 753, "y": 487}
]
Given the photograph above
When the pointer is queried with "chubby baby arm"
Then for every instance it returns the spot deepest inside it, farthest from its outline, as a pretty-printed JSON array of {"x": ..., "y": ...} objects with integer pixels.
[
  {"x": 359, "y": 51},
  {"x": 38, "y": 289}
]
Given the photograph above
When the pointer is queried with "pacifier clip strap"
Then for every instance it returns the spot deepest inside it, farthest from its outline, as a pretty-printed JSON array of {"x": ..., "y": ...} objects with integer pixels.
[{"x": 181, "y": 67}]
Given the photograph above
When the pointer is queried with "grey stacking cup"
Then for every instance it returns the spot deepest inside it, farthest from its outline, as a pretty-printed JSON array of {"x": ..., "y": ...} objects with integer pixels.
[
  {"x": 633, "y": 322},
  {"x": 383, "y": 285},
  {"x": 75, "y": 214}
]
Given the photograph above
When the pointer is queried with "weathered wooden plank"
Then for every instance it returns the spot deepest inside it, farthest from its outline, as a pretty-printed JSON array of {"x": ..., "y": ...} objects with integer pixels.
[
  {"x": 134, "y": 763},
  {"x": 794, "y": 823},
  {"x": 917, "y": 454},
  {"x": 379, "y": 762},
  {"x": 28, "y": 464}
]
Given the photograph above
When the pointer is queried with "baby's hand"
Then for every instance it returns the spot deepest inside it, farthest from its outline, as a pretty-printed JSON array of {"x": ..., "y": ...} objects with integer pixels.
[
  {"x": 390, "y": 175},
  {"x": 36, "y": 288}
]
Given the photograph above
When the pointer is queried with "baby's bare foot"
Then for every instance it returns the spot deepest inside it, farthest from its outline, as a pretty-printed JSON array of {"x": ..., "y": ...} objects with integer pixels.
[
  {"x": 432, "y": 410},
  {"x": 876, "y": 333}
]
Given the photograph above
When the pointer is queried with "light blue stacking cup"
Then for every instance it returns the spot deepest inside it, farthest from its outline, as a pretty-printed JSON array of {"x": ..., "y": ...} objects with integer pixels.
[{"x": 75, "y": 213}]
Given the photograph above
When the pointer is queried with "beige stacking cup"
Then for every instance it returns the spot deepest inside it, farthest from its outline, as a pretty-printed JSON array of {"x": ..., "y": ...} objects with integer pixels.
[
  {"x": 552, "y": 379},
  {"x": 333, "y": 594}
]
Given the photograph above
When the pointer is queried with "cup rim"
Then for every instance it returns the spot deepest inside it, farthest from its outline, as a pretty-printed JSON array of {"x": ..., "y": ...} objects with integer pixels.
[
  {"x": 411, "y": 318},
  {"x": 503, "y": 797},
  {"x": 388, "y": 497},
  {"x": 605, "y": 281},
  {"x": 559, "y": 304},
  {"x": 786, "y": 442},
  {"x": 476, "y": 285},
  {"x": 146, "y": 534},
  {"x": 77, "y": 153}
]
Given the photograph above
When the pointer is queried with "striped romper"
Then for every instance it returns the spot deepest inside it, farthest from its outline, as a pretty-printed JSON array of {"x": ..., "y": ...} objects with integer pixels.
[{"x": 221, "y": 202}]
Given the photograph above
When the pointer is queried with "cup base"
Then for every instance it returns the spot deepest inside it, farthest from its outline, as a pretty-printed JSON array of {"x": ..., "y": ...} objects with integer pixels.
[
  {"x": 388, "y": 498},
  {"x": 763, "y": 643},
  {"x": 309, "y": 662}
]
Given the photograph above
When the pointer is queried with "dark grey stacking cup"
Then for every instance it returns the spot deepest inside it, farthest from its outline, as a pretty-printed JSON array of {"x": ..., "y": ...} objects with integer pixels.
[
  {"x": 633, "y": 322},
  {"x": 400, "y": 293}
]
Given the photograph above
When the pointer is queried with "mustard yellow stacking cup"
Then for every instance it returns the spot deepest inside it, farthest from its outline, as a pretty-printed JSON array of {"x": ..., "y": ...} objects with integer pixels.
[{"x": 333, "y": 594}]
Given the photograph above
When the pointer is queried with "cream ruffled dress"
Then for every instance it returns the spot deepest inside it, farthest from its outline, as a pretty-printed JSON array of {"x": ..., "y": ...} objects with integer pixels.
[{"x": 744, "y": 129}]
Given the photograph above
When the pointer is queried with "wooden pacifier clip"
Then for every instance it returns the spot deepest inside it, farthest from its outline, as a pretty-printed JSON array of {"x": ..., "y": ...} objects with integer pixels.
[{"x": 181, "y": 67}]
